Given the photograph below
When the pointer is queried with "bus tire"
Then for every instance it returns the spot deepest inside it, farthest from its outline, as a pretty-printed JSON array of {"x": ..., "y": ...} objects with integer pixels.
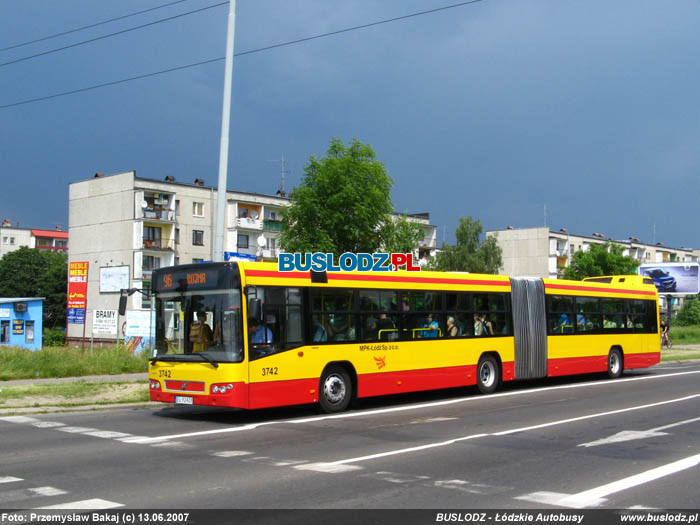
[
  {"x": 615, "y": 365},
  {"x": 488, "y": 374},
  {"x": 335, "y": 391}
]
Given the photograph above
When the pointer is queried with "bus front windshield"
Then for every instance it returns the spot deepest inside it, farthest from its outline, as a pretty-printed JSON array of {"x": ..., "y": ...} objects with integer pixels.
[{"x": 208, "y": 323}]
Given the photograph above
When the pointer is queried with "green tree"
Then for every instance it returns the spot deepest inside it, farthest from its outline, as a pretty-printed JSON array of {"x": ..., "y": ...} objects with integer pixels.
[
  {"x": 469, "y": 254},
  {"x": 600, "y": 259},
  {"x": 343, "y": 204},
  {"x": 690, "y": 313},
  {"x": 29, "y": 272}
]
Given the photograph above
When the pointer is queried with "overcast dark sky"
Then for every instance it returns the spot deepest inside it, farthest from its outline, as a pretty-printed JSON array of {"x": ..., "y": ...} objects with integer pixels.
[{"x": 492, "y": 110}]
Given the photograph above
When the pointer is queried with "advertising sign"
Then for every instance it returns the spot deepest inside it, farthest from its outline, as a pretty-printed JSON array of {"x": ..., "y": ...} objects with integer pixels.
[
  {"x": 673, "y": 278},
  {"x": 113, "y": 278},
  {"x": 18, "y": 326},
  {"x": 77, "y": 291},
  {"x": 235, "y": 256},
  {"x": 104, "y": 322},
  {"x": 138, "y": 329}
]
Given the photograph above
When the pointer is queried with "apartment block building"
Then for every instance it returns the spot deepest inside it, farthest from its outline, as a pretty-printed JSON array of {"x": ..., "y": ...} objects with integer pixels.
[
  {"x": 13, "y": 238},
  {"x": 126, "y": 226},
  {"x": 541, "y": 252}
]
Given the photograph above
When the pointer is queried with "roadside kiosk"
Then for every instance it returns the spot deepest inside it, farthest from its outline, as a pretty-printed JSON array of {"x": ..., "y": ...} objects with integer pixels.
[{"x": 21, "y": 322}]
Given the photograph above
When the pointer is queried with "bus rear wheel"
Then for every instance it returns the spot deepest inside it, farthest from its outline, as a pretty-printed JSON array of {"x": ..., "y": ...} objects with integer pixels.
[
  {"x": 488, "y": 374},
  {"x": 335, "y": 390},
  {"x": 614, "y": 363}
]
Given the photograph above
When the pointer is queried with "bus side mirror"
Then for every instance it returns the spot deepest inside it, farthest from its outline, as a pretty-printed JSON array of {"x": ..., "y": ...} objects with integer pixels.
[
  {"x": 254, "y": 309},
  {"x": 122, "y": 304}
]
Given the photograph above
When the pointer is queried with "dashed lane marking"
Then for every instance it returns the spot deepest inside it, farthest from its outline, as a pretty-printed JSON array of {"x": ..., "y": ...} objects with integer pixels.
[
  {"x": 231, "y": 453},
  {"x": 86, "y": 504},
  {"x": 9, "y": 479}
]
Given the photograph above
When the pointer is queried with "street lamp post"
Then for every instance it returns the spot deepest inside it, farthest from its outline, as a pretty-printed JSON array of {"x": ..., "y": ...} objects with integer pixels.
[{"x": 223, "y": 149}]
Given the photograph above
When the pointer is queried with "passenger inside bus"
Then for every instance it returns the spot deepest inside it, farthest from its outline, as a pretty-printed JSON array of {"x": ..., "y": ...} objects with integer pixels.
[{"x": 200, "y": 333}]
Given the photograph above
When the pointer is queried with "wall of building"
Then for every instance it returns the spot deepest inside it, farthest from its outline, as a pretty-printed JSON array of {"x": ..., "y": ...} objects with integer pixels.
[
  {"x": 12, "y": 239},
  {"x": 22, "y": 329}
]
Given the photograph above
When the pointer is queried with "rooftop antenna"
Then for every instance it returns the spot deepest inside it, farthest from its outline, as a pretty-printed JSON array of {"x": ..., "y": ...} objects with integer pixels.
[{"x": 282, "y": 161}]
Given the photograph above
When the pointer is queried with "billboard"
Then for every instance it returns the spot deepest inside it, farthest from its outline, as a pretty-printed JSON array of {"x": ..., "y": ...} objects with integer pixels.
[
  {"x": 113, "y": 278},
  {"x": 77, "y": 292},
  {"x": 673, "y": 278}
]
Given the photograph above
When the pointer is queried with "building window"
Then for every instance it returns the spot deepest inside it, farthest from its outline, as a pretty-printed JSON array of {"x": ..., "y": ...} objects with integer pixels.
[
  {"x": 242, "y": 212},
  {"x": 61, "y": 244},
  {"x": 151, "y": 237},
  {"x": 43, "y": 242},
  {"x": 150, "y": 263},
  {"x": 177, "y": 207},
  {"x": 29, "y": 331},
  {"x": 271, "y": 243},
  {"x": 5, "y": 331},
  {"x": 198, "y": 209},
  {"x": 197, "y": 261},
  {"x": 12, "y": 240},
  {"x": 146, "y": 296},
  {"x": 242, "y": 241},
  {"x": 177, "y": 235},
  {"x": 197, "y": 238},
  {"x": 5, "y": 240}
]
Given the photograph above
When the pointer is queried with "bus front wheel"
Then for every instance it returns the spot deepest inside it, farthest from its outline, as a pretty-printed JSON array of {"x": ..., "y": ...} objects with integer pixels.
[
  {"x": 487, "y": 374},
  {"x": 614, "y": 363},
  {"x": 336, "y": 390}
]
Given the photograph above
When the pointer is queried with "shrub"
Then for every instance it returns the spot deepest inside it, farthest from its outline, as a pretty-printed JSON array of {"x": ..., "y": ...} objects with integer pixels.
[
  {"x": 54, "y": 337},
  {"x": 690, "y": 313}
]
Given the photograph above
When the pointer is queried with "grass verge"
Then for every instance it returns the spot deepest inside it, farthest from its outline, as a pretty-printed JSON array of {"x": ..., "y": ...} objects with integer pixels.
[
  {"x": 685, "y": 335},
  {"x": 76, "y": 393},
  {"x": 63, "y": 361}
]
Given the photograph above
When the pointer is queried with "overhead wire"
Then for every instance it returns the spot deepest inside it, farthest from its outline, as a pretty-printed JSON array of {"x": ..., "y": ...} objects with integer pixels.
[
  {"x": 258, "y": 50},
  {"x": 82, "y": 28},
  {"x": 149, "y": 24}
]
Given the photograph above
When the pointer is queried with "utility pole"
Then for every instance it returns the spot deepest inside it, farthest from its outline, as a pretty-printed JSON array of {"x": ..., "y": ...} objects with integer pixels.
[
  {"x": 223, "y": 148},
  {"x": 282, "y": 161}
]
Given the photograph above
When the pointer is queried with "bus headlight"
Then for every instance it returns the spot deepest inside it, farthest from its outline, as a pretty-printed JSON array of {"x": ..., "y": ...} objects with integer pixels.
[{"x": 221, "y": 389}]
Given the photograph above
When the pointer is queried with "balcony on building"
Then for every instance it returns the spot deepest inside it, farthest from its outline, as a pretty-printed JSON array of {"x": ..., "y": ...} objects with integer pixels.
[{"x": 158, "y": 207}]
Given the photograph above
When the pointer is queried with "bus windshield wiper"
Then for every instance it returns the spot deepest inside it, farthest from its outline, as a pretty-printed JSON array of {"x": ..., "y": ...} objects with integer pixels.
[{"x": 207, "y": 358}]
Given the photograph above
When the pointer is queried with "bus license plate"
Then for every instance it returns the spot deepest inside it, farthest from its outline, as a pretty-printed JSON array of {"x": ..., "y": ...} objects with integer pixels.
[{"x": 184, "y": 400}]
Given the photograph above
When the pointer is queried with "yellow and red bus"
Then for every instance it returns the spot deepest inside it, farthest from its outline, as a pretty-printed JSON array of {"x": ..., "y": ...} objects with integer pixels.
[{"x": 285, "y": 338}]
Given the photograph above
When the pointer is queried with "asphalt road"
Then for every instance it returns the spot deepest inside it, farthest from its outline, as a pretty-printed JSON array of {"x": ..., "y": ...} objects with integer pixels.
[{"x": 585, "y": 442}]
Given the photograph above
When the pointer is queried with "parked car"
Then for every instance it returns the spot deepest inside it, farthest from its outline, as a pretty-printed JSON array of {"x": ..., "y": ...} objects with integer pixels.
[{"x": 662, "y": 279}]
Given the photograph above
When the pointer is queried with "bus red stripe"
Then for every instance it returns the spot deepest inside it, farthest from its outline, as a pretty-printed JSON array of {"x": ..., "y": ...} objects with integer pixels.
[
  {"x": 596, "y": 289},
  {"x": 338, "y": 276}
]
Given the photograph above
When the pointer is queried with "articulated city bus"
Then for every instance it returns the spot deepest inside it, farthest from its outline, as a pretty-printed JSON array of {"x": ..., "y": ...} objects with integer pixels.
[{"x": 246, "y": 335}]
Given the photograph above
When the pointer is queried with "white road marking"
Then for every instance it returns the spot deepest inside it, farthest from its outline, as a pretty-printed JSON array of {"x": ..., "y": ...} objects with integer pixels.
[
  {"x": 366, "y": 413},
  {"x": 107, "y": 434},
  {"x": 132, "y": 439},
  {"x": 48, "y": 424},
  {"x": 400, "y": 479},
  {"x": 431, "y": 420},
  {"x": 468, "y": 486},
  {"x": 629, "y": 435},
  {"x": 18, "y": 419},
  {"x": 592, "y": 497},
  {"x": 596, "y": 496},
  {"x": 9, "y": 479},
  {"x": 47, "y": 491},
  {"x": 327, "y": 467},
  {"x": 231, "y": 453},
  {"x": 86, "y": 504},
  {"x": 76, "y": 430}
]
